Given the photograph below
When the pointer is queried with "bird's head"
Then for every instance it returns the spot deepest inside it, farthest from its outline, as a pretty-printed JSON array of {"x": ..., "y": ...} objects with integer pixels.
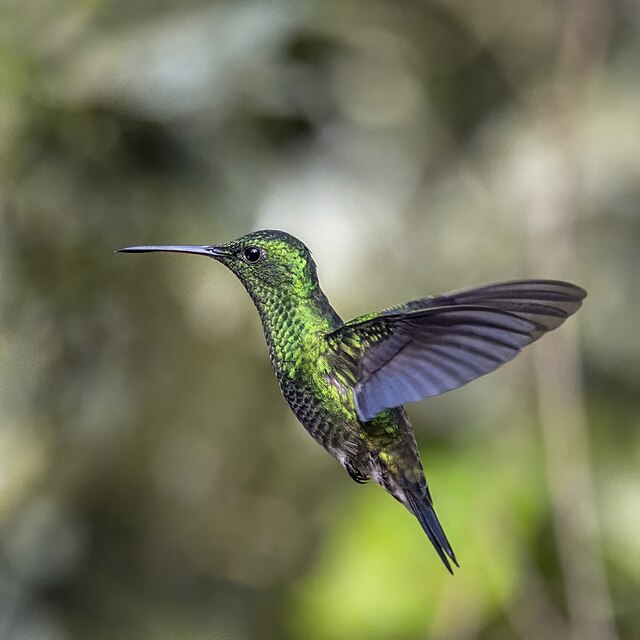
[{"x": 268, "y": 263}]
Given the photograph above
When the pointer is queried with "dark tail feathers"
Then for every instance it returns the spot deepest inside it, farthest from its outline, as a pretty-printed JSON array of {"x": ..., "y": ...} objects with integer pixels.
[{"x": 422, "y": 508}]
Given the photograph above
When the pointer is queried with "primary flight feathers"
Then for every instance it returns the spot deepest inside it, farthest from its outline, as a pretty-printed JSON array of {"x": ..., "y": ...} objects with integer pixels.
[{"x": 429, "y": 346}]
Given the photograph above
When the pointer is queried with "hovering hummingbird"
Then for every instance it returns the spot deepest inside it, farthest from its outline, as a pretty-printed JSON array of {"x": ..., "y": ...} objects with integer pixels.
[{"x": 346, "y": 382}]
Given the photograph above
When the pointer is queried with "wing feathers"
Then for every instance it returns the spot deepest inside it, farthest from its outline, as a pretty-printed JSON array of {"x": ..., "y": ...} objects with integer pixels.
[{"x": 430, "y": 346}]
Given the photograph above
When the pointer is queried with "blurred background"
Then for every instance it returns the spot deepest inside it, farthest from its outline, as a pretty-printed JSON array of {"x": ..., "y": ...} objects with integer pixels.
[{"x": 153, "y": 484}]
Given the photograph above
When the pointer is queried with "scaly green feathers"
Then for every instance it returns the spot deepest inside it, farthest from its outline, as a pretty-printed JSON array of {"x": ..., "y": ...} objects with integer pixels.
[{"x": 284, "y": 286}]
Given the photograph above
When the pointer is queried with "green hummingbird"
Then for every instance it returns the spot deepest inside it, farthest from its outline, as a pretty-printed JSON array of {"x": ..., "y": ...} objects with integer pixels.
[{"x": 347, "y": 382}]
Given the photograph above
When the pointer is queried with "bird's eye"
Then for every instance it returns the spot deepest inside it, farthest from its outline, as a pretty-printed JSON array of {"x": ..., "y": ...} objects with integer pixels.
[{"x": 252, "y": 254}]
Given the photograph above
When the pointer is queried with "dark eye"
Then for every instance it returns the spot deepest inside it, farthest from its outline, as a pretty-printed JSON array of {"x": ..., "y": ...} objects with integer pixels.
[{"x": 252, "y": 254}]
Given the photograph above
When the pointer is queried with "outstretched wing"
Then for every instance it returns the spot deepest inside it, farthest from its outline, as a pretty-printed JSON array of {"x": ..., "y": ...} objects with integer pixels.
[{"x": 429, "y": 346}]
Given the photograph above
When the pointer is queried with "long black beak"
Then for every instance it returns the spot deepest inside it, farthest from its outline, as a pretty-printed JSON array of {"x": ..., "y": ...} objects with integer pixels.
[{"x": 210, "y": 251}]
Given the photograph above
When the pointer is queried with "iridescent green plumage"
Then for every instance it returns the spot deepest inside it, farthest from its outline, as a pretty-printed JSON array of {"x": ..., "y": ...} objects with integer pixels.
[{"x": 346, "y": 383}]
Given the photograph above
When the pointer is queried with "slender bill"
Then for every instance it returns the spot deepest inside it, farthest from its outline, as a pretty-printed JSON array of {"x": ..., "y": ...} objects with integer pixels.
[{"x": 201, "y": 250}]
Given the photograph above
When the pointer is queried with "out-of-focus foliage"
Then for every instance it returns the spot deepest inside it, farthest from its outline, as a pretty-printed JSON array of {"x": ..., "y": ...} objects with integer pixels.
[{"x": 153, "y": 485}]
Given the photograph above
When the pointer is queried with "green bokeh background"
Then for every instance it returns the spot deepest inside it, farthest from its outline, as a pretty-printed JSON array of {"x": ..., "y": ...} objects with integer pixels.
[{"x": 153, "y": 484}]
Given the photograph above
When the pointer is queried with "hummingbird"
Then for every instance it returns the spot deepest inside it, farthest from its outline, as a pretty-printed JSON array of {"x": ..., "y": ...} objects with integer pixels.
[{"x": 347, "y": 382}]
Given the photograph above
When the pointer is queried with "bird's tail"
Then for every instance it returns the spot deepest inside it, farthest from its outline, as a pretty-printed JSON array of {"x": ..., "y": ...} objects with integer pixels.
[{"x": 418, "y": 501}]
